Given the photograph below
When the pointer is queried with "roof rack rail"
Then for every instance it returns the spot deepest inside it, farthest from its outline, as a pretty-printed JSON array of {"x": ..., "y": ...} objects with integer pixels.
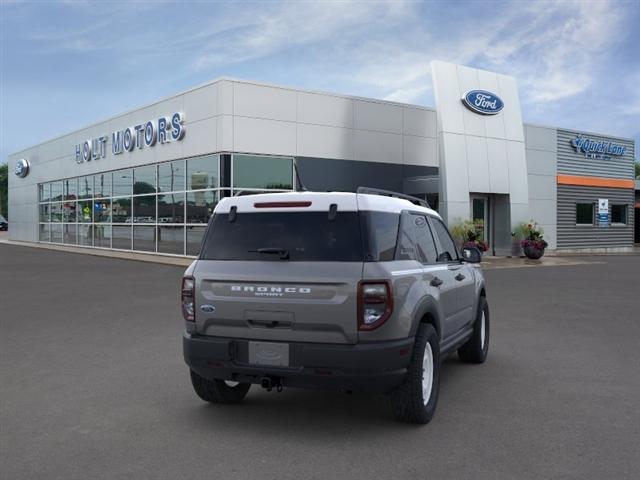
[{"x": 389, "y": 193}]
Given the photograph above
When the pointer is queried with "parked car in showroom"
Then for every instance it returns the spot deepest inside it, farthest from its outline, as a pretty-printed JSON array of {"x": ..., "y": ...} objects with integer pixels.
[{"x": 349, "y": 291}]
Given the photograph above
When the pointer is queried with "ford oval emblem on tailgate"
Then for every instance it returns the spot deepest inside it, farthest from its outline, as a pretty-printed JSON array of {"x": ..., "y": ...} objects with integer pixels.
[{"x": 208, "y": 308}]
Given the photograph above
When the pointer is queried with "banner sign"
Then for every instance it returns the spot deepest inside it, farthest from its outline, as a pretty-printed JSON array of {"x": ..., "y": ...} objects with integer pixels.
[{"x": 603, "y": 212}]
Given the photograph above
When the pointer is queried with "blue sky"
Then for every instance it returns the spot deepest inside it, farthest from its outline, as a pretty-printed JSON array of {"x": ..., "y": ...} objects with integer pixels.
[{"x": 67, "y": 64}]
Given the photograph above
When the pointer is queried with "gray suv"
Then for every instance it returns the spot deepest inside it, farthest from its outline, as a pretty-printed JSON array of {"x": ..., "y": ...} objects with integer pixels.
[{"x": 350, "y": 291}]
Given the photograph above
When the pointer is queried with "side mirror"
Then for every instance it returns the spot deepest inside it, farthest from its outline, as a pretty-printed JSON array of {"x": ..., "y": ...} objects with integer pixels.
[{"x": 471, "y": 255}]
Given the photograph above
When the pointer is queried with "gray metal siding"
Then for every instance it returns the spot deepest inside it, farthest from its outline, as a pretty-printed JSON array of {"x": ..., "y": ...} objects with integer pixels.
[
  {"x": 572, "y": 236},
  {"x": 571, "y": 162}
]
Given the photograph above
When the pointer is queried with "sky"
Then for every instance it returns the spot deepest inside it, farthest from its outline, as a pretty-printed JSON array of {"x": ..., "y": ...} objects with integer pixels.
[{"x": 67, "y": 64}]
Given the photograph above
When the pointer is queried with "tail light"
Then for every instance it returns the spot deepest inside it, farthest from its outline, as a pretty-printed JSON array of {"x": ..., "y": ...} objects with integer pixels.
[
  {"x": 375, "y": 304},
  {"x": 187, "y": 299}
]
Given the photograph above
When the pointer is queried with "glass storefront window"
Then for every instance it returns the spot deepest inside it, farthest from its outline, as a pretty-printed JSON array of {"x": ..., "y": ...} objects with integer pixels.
[
  {"x": 45, "y": 231},
  {"x": 200, "y": 206},
  {"x": 121, "y": 237},
  {"x": 171, "y": 240},
  {"x": 70, "y": 233},
  {"x": 619, "y": 214},
  {"x": 102, "y": 183},
  {"x": 144, "y": 180},
  {"x": 45, "y": 212},
  {"x": 44, "y": 192},
  {"x": 121, "y": 210},
  {"x": 56, "y": 191},
  {"x": 122, "y": 183},
  {"x": 71, "y": 189},
  {"x": 102, "y": 210},
  {"x": 56, "y": 233},
  {"x": 259, "y": 172},
  {"x": 171, "y": 176},
  {"x": 102, "y": 236},
  {"x": 84, "y": 212},
  {"x": 56, "y": 212},
  {"x": 171, "y": 208},
  {"x": 85, "y": 235},
  {"x": 144, "y": 209},
  {"x": 584, "y": 213},
  {"x": 85, "y": 187},
  {"x": 69, "y": 212},
  {"x": 202, "y": 172},
  {"x": 194, "y": 239},
  {"x": 144, "y": 238}
]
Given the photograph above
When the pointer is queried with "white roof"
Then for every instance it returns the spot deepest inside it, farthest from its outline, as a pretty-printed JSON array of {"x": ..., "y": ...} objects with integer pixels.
[{"x": 318, "y": 202}]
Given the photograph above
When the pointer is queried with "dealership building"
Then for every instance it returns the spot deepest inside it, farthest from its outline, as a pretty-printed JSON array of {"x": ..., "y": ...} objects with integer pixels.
[{"x": 148, "y": 180}]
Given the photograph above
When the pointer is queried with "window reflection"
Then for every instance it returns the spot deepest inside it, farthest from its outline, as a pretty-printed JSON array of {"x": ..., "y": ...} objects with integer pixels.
[
  {"x": 194, "y": 239},
  {"x": 144, "y": 209},
  {"x": 102, "y": 236},
  {"x": 171, "y": 240},
  {"x": 56, "y": 212},
  {"x": 71, "y": 189},
  {"x": 144, "y": 238},
  {"x": 69, "y": 212},
  {"x": 171, "y": 208},
  {"x": 84, "y": 212},
  {"x": 200, "y": 206},
  {"x": 102, "y": 210},
  {"x": 171, "y": 176},
  {"x": 102, "y": 184},
  {"x": 202, "y": 172},
  {"x": 121, "y": 237},
  {"x": 85, "y": 235},
  {"x": 45, "y": 231},
  {"x": 70, "y": 234},
  {"x": 122, "y": 183},
  {"x": 144, "y": 180},
  {"x": 85, "y": 187},
  {"x": 56, "y": 191},
  {"x": 56, "y": 233},
  {"x": 252, "y": 171},
  {"x": 121, "y": 210},
  {"x": 45, "y": 212}
]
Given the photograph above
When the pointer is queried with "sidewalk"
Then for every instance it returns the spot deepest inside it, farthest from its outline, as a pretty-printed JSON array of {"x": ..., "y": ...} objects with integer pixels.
[{"x": 490, "y": 263}]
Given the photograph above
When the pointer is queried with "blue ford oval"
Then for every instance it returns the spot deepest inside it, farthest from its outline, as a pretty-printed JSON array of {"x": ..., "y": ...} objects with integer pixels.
[{"x": 483, "y": 102}]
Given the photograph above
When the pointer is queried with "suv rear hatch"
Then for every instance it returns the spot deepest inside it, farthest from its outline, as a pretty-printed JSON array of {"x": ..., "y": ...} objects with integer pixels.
[{"x": 284, "y": 271}]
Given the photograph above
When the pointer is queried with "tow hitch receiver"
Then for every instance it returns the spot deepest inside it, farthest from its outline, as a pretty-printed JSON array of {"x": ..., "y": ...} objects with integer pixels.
[{"x": 269, "y": 383}]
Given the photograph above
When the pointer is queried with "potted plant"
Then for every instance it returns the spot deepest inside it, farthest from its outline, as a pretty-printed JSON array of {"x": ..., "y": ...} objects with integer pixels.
[
  {"x": 532, "y": 242},
  {"x": 468, "y": 233}
]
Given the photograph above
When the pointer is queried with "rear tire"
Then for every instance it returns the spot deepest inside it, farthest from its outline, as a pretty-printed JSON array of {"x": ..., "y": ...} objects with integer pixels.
[
  {"x": 477, "y": 347},
  {"x": 218, "y": 391},
  {"x": 415, "y": 400}
]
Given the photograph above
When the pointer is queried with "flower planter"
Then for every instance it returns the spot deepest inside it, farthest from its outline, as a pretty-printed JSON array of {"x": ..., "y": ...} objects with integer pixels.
[{"x": 533, "y": 253}]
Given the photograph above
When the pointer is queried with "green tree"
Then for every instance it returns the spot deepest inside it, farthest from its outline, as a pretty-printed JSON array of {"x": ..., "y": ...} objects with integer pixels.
[
  {"x": 638, "y": 170},
  {"x": 4, "y": 189}
]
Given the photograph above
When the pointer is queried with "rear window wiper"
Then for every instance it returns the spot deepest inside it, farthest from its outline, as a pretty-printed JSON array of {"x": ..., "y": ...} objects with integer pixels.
[{"x": 283, "y": 252}]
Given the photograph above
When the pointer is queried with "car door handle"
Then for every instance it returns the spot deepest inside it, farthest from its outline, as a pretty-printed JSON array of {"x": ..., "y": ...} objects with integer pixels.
[
  {"x": 436, "y": 282},
  {"x": 459, "y": 277}
]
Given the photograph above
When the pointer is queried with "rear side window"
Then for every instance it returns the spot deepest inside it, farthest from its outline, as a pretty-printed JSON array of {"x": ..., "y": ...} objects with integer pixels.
[
  {"x": 447, "y": 252},
  {"x": 304, "y": 236},
  {"x": 416, "y": 241},
  {"x": 380, "y": 234}
]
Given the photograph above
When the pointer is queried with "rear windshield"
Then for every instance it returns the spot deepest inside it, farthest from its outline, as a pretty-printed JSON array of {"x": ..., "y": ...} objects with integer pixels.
[{"x": 302, "y": 237}]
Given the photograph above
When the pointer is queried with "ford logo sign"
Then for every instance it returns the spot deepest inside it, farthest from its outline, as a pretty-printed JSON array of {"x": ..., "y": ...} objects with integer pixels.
[
  {"x": 483, "y": 102},
  {"x": 22, "y": 168},
  {"x": 208, "y": 308}
]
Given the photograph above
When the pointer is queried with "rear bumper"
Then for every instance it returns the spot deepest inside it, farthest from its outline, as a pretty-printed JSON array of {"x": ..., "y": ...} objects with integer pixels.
[{"x": 366, "y": 367}]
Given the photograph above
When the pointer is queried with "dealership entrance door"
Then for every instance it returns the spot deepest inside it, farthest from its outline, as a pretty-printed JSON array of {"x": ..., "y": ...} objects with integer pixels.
[{"x": 482, "y": 218}]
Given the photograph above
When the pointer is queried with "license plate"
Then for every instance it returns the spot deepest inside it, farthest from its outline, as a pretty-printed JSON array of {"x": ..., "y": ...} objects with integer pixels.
[{"x": 266, "y": 353}]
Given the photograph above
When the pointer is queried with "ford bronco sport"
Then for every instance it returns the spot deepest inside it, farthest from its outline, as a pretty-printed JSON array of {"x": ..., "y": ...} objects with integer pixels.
[{"x": 350, "y": 291}]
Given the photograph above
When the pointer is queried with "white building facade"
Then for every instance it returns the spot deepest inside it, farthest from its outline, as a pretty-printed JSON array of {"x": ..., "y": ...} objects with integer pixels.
[{"x": 148, "y": 180}]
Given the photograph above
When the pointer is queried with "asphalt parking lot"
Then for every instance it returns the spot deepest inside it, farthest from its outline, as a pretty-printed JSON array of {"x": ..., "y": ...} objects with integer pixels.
[{"x": 93, "y": 386}]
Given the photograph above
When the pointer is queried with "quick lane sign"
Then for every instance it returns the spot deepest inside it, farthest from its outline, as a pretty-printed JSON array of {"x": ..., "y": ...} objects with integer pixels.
[
  {"x": 148, "y": 134},
  {"x": 598, "y": 149}
]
